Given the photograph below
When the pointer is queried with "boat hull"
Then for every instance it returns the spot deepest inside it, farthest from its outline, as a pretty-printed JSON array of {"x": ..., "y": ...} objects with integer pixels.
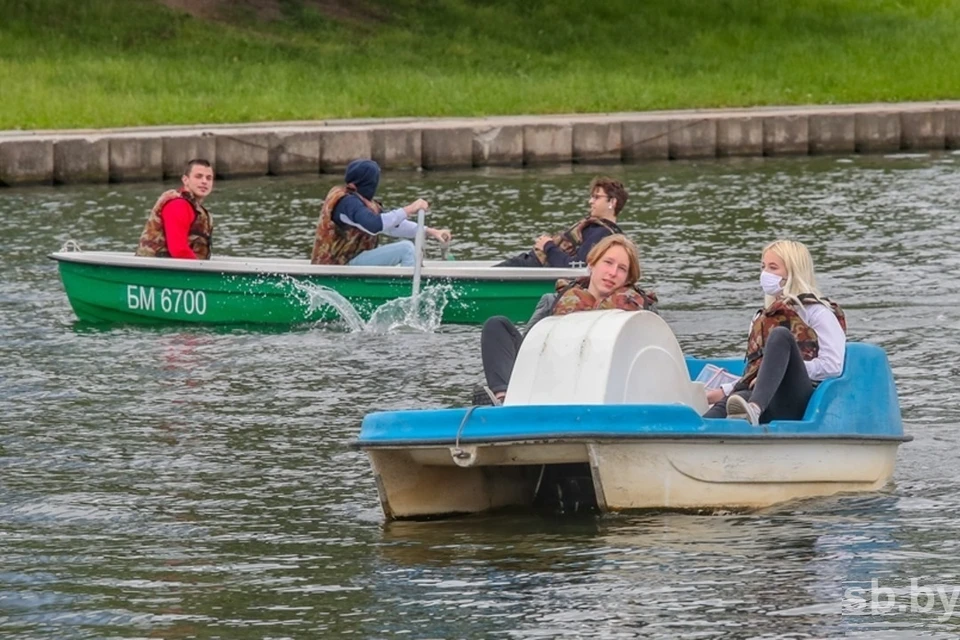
[
  {"x": 431, "y": 463},
  {"x": 689, "y": 474},
  {"x": 154, "y": 291}
]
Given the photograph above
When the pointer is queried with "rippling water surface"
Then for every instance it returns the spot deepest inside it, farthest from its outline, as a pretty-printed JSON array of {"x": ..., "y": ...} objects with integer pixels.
[{"x": 197, "y": 483}]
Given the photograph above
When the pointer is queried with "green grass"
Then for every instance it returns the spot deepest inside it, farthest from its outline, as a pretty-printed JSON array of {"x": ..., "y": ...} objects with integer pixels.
[{"x": 99, "y": 63}]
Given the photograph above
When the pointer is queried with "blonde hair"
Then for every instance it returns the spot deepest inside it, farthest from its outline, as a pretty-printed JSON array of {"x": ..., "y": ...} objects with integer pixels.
[
  {"x": 618, "y": 240},
  {"x": 799, "y": 265}
]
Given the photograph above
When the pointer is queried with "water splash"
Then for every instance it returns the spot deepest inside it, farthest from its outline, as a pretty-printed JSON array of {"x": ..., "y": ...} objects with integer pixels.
[
  {"x": 423, "y": 314},
  {"x": 319, "y": 296}
]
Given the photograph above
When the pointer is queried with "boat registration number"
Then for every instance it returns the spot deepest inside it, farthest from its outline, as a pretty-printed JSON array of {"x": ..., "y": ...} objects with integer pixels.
[{"x": 168, "y": 300}]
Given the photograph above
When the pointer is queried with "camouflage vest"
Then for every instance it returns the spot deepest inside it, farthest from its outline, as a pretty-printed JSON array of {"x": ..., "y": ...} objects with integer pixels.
[
  {"x": 782, "y": 313},
  {"x": 335, "y": 243},
  {"x": 570, "y": 240},
  {"x": 573, "y": 296},
  {"x": 153, "y": 241}
]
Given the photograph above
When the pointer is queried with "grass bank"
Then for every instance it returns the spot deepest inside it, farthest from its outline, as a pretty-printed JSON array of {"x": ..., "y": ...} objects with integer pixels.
[{"x": 100, "y": 63}]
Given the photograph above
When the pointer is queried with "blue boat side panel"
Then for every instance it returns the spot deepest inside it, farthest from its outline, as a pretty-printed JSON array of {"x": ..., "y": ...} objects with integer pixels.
[
  {"x": 536, "y": 422},
  {"x": 860, "y": 403}
]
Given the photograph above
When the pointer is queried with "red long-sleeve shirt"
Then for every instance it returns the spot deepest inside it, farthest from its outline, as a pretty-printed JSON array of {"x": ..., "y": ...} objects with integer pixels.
[{"x": 178, "y": 216}]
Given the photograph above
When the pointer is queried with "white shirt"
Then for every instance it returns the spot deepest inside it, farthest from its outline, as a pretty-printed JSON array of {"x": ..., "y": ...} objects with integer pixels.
[{"x": 831, "y": 338}]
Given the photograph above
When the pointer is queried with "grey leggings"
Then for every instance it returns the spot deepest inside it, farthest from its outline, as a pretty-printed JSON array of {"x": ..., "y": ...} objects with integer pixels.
[
  {"x": 783, "y": 387},
  {"x": 499, "y": 345}
]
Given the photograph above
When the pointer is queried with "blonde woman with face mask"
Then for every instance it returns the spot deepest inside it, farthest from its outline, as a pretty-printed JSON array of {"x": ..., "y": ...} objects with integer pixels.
[{"x": 797, "y": 340}]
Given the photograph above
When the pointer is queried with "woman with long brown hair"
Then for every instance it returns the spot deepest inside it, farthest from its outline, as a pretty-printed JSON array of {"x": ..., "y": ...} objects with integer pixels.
[{"x": 614, "y": 266}]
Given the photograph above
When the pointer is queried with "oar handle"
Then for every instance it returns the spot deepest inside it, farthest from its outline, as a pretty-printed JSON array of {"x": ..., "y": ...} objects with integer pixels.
[{"x": 418, "y": 252}]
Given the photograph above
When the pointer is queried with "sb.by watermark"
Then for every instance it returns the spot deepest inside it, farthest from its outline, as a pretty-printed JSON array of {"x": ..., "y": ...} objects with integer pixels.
[{"x": 940, "y": 600}]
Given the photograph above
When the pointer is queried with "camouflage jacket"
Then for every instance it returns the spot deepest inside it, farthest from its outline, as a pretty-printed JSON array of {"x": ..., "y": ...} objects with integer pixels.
[
  {"x": 570, "y": 240},
  {"x": 782, "y": 313},
  {"x": 573, "y": 296},
  {"x": 334, "y": 243},
  {"x": 153, "y": 240}
]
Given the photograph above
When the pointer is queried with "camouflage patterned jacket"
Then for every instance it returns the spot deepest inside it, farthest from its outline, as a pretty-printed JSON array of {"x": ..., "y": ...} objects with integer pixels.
[
  {"x": 782, "y": 313},
  {"x": 153, "y": 240},
  {"x": 570, "y": 240},
  {"x": 334, "y": 243},
  {"x": 573, "y": 296}
]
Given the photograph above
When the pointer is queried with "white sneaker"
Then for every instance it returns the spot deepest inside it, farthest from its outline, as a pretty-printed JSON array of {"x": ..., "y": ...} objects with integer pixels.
[
  {"x": 737, "y": 407},
  {"x": 494, "y": 399}
]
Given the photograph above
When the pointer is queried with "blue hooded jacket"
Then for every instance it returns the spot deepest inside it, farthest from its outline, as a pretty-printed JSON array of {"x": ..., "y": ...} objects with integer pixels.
[{"x": 365, "y": 176}]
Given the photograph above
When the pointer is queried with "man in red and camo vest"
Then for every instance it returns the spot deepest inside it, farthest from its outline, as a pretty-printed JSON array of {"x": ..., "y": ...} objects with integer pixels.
[
  {"x": 178, "y": 225},
  {"x": 607, "y": 197}
]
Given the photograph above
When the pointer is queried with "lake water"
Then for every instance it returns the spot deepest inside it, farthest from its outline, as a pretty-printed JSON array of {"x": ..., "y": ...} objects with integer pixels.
[{"x": 186, "y": 483}]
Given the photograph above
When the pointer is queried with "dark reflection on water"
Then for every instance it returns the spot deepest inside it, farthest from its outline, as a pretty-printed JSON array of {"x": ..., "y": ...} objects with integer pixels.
[{"x": 196, "y": 483}]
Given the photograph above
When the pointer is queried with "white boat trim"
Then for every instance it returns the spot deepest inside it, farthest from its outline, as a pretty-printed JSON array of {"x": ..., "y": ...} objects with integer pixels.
[{"x": 457, "y": 270}]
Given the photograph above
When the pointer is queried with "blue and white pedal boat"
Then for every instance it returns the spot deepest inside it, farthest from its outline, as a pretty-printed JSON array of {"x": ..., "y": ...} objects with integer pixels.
[{"x": 604, "y": 403}]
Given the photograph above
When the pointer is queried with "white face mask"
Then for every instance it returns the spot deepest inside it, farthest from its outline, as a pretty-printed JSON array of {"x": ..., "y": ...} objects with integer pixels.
[{"x": 770, "y": 283}]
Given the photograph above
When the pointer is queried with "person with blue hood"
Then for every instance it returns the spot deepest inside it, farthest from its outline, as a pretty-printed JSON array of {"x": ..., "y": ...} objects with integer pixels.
[{"x": 351, "y": 221}]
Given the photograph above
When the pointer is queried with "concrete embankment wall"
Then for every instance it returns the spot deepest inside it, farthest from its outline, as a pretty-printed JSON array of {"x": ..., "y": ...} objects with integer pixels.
[{"x": 280, "y": 148}]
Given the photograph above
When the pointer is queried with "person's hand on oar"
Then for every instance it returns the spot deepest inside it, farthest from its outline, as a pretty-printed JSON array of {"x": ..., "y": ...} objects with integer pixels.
[
  {"x": 443, "y": 236},
  {"x": 415, "y": 206}
]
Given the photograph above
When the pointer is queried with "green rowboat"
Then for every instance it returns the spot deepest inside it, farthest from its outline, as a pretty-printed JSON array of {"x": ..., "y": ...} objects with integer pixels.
[{"x": 115, "y": 287}]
